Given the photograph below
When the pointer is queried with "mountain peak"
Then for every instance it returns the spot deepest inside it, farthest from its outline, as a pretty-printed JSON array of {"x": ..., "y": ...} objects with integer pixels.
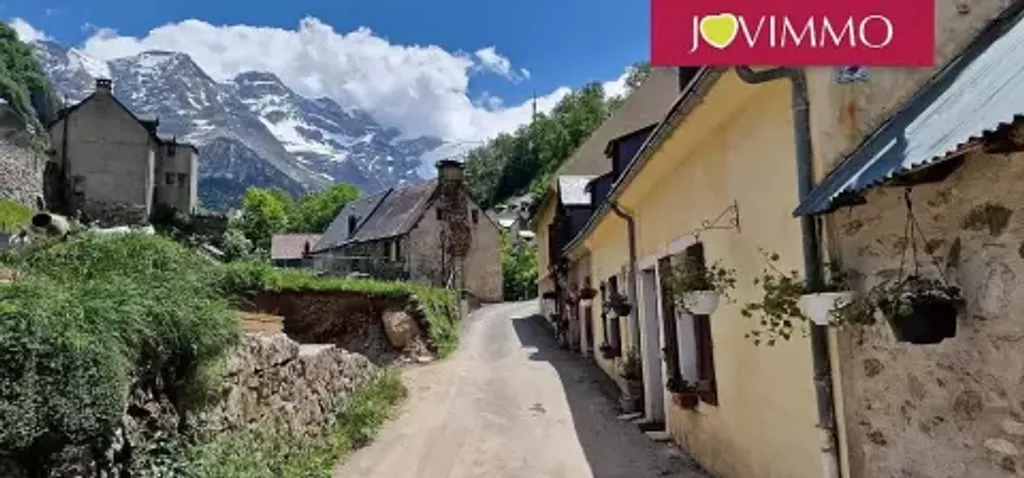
[{"x": 250, "y": 77}]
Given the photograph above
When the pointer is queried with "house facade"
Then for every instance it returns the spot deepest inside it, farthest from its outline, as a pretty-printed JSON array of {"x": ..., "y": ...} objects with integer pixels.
[
  {"x": 109, "y": 165},
  {"x": 857, "y": 159},
  {"x": 431, "y": 232}
]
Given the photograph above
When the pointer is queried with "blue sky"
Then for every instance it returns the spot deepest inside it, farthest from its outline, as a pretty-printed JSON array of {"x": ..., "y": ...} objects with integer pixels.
[{"x": 562, "y": 43}]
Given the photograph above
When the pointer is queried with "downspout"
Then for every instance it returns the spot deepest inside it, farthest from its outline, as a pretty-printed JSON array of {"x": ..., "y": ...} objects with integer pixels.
[
  {"x": 634, "y": 320},
  {"x": 813, "y": 270}
]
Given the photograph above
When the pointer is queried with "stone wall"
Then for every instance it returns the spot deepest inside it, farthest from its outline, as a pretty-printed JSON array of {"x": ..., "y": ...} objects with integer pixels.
[
  {"x": 267, "y": 380},
  {"x": 955, "y": 409},
  {"x": 21, "y": 171}
]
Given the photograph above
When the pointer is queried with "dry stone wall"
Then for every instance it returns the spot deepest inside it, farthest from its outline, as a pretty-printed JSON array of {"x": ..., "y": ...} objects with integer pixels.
[{"x": 21, "y": 171}]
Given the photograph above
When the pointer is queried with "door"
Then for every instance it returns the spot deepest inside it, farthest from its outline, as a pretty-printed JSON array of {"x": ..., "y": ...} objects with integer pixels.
[{"x": 654, "y": 383}]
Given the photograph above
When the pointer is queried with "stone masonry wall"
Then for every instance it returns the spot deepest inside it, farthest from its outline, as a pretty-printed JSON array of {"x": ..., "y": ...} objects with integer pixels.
[
  {"x": 21, "y": 172},
  {"x": 955, "y": 409}
]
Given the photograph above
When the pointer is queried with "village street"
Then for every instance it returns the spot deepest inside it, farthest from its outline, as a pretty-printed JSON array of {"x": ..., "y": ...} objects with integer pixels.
[{"x": 510, "y": 403}]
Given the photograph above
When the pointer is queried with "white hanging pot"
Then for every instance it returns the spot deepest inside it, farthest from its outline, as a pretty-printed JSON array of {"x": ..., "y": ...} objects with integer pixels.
[
  {"x": 819, "y": 307},
  {"x": 586, "y": 302},
  {"x": 701, "y": 302}
]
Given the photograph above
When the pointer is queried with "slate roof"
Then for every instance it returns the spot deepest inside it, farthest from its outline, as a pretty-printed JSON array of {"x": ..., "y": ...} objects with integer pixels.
[
  {"x": 291, "y": 246},
  {"x": 337, "y": 233},
  {"x": 974, "y": 95},
  {"x": 397, "y": 213},
  {"x": 572, "y": 190},
  {"x": 391, "y": 213}
]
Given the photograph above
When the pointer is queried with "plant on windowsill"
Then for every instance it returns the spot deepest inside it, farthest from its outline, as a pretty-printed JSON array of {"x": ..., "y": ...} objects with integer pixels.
[
  {"x": 607, "y": 351},
  {"x": 631, "y": 371},
  {"x": 684, "y": 393},
  {"x": 698, "y": 290},
  {"x": 822, "y": 307},
  {"x": 619, "y": 306},
  {"x": 778, "y": 312}
]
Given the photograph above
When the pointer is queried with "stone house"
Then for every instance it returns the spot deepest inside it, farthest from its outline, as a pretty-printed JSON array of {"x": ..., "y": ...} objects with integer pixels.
[
  {"x": 292, "y": 250},
  {"x": 714, "y": 183},
  {"x": 431, "y": 232},
  {"x": 110, "y": 165}
]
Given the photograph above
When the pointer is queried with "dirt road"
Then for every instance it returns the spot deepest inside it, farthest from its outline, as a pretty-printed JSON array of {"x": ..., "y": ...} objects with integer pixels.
[{"x": 511, "y": 404}]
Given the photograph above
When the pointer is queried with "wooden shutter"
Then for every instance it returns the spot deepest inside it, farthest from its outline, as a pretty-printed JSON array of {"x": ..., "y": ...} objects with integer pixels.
[
  {"x": 670, "y": 352},
  {"x": 705, "y": 359}
]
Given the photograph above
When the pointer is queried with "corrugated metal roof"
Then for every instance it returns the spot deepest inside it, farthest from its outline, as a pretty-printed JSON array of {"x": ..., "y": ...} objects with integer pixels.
[
  {"x": 572, "y": 190},
  {"x": 973, "y": 95},
  {"x": 397, "y": 213},
  {"x": 337, "y": 233},
  {"x": 291, "y": 246}
]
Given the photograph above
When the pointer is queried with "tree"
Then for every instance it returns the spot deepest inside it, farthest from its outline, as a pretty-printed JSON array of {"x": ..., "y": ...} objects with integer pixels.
[
  {"x": 264, "y": 213},
  {"x": 315, "y": 211},
  {"x": 23, "y": 83},
  {"x": 638, "y": 72},
  {"x": 518, "y": 268}
]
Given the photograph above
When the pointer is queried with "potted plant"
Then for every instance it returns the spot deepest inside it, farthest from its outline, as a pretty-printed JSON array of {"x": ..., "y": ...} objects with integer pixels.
[
  {"x": 684, "y": 393},
  {"x": 631, "y": 371},
  {"x": 920, "y": 310},
  {"x": 587, "y": 295},
  {"x": 698, "y": 290},
  {"x": 778, "y": 312},
  {"x": 619, "y": 305},
  {"x": 607, "y": 351},
  {"x": 821, "y": 307}
]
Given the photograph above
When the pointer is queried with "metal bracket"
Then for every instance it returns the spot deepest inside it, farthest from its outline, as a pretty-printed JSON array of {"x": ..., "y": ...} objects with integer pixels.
[{"x": 729, "y": 219}]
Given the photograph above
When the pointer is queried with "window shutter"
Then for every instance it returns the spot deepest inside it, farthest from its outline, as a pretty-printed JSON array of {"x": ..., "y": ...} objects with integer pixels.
[{"x": 670, "y": 352}]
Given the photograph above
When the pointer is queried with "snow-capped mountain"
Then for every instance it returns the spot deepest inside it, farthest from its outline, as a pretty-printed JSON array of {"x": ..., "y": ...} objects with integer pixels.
[{"x": 252, "y": 131}]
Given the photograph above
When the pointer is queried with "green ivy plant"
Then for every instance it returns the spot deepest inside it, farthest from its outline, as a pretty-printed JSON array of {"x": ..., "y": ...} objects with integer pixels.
[
  {"x": 778, "y": 312},
  {"x": 714, "y": 277}
]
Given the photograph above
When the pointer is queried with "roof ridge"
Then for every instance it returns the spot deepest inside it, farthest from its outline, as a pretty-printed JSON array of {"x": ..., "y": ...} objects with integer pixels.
[{"x": 363, "y": 221}]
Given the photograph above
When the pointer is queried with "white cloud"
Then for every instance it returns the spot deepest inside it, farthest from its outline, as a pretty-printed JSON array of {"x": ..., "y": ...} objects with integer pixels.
[
  {"x": 26, "y": 32},
  {"x": 498, "y": 64},
  {"x": 418, "y": 89},
  {"x": 616, "y": 87}
]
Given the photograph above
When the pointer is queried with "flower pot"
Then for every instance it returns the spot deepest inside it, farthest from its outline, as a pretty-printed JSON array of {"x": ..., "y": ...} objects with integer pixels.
[
  {"x": 819, "y": 307},
  {"x": 586, "y": 302},
  {"x": 701, "y": 302},
  {"x": 930, "y": 321},
  {"x": 588, "y": 293},
  {"x": 686, "y": 400},
  {"x": 622, "y": 309}
]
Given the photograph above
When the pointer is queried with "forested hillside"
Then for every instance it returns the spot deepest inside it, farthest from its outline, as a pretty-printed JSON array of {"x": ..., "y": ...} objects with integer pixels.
[
  {"x": 516, "y": 163},
  {"x": 22, "y": 81}
]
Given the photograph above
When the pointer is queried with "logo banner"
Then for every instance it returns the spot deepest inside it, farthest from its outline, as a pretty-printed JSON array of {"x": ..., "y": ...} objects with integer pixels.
[{"x": 793, "y": 32}]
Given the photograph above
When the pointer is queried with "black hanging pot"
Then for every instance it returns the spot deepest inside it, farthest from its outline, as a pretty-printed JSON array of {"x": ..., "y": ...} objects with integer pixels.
[{"x": 930, "y": 320}]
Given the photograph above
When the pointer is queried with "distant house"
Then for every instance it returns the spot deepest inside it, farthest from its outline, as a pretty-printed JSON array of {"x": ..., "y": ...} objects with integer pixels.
[
  {"x": 431, "y": 232},
  {"x": 292, "y": 250},
  {"x": 110, "y": 165}
]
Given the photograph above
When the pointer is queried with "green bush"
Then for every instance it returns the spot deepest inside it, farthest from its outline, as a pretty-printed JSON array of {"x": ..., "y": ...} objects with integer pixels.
[
  {"x": 273, "y": 453},
  {"x": 13, "y": 215},
  {"x": 93, "y": 314},
  {"x": 442, "y": 309},
  {"x": 518, "y": 269}
]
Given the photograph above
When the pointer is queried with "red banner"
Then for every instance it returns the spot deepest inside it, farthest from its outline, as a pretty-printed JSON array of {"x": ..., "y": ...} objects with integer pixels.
[{"x": 793, "y": 32}]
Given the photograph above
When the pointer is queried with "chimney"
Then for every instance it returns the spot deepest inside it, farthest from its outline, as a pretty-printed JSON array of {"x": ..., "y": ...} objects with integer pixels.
[
  {"x": 450, "y": 170},
  {"x": 103, "y": 85}
]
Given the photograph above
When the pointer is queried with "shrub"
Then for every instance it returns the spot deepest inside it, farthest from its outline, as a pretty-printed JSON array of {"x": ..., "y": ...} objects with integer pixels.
[
  {"x": 442, "y": 309},
  {"x": 92, "y": 315},
  {"x": 13, "y": 215}
]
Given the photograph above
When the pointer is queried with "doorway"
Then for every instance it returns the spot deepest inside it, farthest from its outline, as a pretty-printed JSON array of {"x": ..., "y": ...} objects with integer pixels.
[{"x": 654, "y": 383}]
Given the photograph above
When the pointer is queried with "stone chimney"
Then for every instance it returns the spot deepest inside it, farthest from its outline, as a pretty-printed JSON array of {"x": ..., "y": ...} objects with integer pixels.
[
  {"x": 104, "y": 85},
  {"x": 450, "y": 170}
]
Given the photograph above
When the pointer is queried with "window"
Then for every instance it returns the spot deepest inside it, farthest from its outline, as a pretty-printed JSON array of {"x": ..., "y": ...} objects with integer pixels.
[
  {"x": 476, "y": 216},
  {"x": 78, "y": 185},
  {"x": 171, "y": 149},
  {"x": 440, "y": 214},
  {"x": 398, "y": 249},
  {"x": 182, "y": 179},
  {"x": 671, "y": 351},
  {"x": 613, "y": 333},
  {"x": 707, "y": 385},
  {"x": 169, "y": 179}
]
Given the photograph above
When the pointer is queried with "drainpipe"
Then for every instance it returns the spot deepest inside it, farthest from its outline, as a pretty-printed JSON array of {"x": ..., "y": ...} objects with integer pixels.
[
  {"x": 811, "y": 254},
  {"x": 634, "y": 321}
]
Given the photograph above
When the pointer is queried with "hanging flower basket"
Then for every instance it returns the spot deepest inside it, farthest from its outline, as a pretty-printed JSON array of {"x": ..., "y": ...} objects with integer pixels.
[
  {"x": 701, "y": 302},
  {"x": 586, "y": 302},
  {"x": 924, "y": 320},
  {"x": 820, "y": 308},
  {"x": 618, "y": 304},
  {"x": 588, "y": 293},
  {"x": 684, "y": 394}
]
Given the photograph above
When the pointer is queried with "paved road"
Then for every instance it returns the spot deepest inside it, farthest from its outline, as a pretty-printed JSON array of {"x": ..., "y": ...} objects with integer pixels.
[{"x": 511, "y": 404}]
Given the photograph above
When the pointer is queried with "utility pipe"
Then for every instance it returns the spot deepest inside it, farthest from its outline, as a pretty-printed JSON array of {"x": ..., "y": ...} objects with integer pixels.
[
  {"x": 634, "y": 320},
  {"x": 813, "y": 271}
]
